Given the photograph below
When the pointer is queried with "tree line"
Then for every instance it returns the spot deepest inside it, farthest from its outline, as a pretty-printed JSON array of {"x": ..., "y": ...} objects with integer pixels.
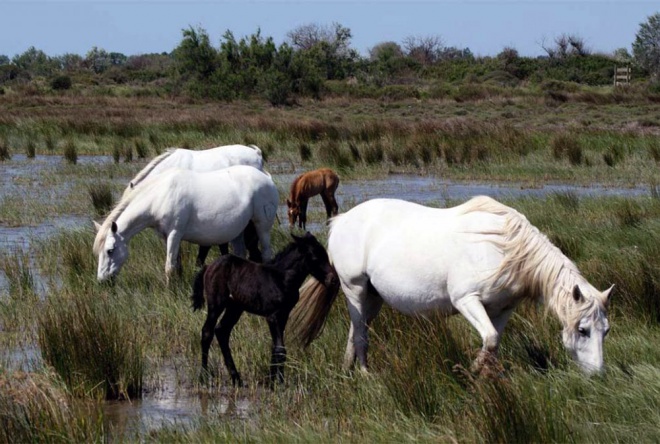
[{"x": 317, "y": 59}]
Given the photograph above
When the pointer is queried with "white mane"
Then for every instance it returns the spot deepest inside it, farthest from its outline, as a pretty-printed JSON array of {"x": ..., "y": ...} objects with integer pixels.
[{"x": 533, "y": 265}]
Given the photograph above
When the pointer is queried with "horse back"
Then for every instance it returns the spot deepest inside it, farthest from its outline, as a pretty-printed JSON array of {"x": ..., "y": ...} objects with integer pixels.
[
  {"x": 314, "y": 182},
  {"x": 232, "y": 280}
]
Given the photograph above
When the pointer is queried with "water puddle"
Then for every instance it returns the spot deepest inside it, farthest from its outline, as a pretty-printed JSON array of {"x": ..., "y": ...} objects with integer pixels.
[
  {"x": 18, "y": 240},
  {"x": 170, "y": 405}
]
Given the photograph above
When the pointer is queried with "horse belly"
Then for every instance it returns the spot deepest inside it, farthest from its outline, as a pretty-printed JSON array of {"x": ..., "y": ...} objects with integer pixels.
[{"x": 413, "y": 294}]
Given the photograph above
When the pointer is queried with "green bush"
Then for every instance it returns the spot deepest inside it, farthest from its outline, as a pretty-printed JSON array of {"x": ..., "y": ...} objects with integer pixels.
[{"x": 61, "y": 83}]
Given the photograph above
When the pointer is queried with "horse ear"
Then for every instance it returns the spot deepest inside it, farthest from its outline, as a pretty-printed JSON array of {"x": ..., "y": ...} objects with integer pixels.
[
  {"x": 607, "y": 295},
  {"x": 114, "y": 227},
  {"x": 577, "y": 294},
  {"x": 97, "y": 226}
]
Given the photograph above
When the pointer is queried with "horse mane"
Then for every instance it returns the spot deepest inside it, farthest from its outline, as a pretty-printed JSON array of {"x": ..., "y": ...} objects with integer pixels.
[
  {"x": 294, "y": 187},
  {"x": 144, "y": 172},
  {"x": 99, "y": 240},
  {"x": 532, "y": 265}
]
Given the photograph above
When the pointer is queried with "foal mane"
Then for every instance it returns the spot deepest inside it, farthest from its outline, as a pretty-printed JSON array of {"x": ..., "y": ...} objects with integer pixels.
[
  {"x": 532, "y": 265},
  {"x": 294, "y": 191}
]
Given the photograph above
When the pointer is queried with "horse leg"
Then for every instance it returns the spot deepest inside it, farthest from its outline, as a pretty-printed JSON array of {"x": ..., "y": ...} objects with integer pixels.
[
  {"x": 277, "y": 323},
  {"x": 302, "y": 221},
  {"x": 173, "y": 261},
  {"x": 331, "y": 208},
  {"x": 252, "y": 242},
  {"x": 263, "y": 231},
  {"x": 207, "y": 333},
  {"x": 222, "y": 332},
  {"x": 238, "y": 244},
  {"x": 202, "y": 253},
  {"x": 472, "y": 309},
  {"x": 363, "y": 308}
]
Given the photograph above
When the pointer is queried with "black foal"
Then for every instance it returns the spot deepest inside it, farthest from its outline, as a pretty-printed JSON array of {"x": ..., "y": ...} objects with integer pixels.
[{"x": 233, "y": 285}]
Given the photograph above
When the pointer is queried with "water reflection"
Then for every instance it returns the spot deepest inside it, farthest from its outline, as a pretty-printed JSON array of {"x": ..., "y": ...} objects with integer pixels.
[{"x": 172, "y": 405}]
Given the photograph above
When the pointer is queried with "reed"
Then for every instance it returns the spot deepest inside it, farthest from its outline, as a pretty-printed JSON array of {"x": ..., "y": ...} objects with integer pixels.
[
  {"x": 91, "y": 345},
  {"x": 71, "y": 152}
]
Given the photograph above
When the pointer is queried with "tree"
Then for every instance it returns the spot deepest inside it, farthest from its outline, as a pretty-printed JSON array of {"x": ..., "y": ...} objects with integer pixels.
[
  {"x": 4, "y": 60},
  {"x": 566, "y": 45},
  {"x": 35, "y": 62},
  {"x": 307, "y": 36},
  {"x": 646, "y": 48},
  {"x": 424, "y": 49},
  {"x": 195, "y": 56}
]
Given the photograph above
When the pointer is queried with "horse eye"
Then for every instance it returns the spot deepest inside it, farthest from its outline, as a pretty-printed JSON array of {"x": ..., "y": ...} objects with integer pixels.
[
  {"x": 583, "y": 331},
  {"x": 110, "y": 251}
]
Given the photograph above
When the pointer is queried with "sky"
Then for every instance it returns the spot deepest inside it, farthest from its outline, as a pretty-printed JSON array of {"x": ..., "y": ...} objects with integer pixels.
[{"x": 136, "y": 27}]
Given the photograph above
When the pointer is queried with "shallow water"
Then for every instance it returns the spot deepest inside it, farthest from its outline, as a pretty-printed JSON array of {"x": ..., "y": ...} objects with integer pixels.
[{"x": 170, "y": 405}]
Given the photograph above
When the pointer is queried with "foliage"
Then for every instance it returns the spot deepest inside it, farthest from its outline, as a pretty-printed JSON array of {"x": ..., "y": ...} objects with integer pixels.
[
  {"x": 61, "y": 83},
  {"x": 646, "y": 47}
]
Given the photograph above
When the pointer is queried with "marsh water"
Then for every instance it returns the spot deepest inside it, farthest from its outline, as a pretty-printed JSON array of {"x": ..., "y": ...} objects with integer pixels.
[{"x": 169, "y": 404}]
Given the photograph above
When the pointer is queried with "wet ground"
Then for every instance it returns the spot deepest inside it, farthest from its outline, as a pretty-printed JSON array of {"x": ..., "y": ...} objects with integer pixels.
[{"x": 170, "y": 404}]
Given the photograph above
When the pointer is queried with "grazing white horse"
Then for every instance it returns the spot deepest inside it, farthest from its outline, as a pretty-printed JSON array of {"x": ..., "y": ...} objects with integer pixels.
[
  {"x": 203, "y": 160},
  {"x": 211, "y": 159},
  {"x": 203, "y": 208},
  {"x": 479, "y": 259}
]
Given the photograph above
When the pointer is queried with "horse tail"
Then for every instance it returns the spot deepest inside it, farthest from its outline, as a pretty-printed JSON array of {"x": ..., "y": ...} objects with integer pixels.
[
  {"x": 308, "y": 317},
  {"x": 257, "y": 149},
  {"x": 198, "y": 290},
  {"x": 144, "y": 172}
]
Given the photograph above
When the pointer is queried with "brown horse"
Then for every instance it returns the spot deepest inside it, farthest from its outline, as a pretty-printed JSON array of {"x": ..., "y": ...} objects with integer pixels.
[{"x": 323, "y": 181}]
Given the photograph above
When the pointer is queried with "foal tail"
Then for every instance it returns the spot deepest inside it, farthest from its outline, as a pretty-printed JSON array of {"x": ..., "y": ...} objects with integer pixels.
[
  {"x": 198, "y": 290},
  {"x": 310, "y": 313}
]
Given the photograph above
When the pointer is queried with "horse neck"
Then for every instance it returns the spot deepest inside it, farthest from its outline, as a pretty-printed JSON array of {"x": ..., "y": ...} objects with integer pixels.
[
  {"x": 135, "y": 218},
  {"x": 294, "y": 267}
]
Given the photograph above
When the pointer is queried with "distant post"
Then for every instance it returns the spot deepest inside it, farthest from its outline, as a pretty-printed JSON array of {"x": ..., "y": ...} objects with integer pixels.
[{"x": 622, "y": 75}]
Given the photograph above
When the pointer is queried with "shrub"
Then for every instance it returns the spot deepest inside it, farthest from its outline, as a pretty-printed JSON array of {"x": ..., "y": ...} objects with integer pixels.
[
  {"x": 373, "y": 153},
  {"x": 101, "y": 195},
  {"x": 305, "y": 152},
  {"x": 91, "y": 346},
  {"x": 4, "y": 150},
  {"x": 30, "y": 149},
  {"x": 61, "y": 83},
  {"x": 566, "y": 145},
  {"x": 71, "y": 152},
  {"x": 140, "y": 148}
]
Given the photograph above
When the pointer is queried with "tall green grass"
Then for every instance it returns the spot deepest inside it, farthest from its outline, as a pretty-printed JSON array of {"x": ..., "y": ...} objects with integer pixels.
[{"x": 91, "y": 344}]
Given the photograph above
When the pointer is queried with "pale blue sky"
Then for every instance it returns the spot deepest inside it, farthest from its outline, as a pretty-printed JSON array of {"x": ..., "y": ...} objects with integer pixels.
[{"x": 136, "y": 27}]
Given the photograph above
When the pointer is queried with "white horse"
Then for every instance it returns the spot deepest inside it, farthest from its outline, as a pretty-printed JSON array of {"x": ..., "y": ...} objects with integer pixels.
[
  {"x": 211, "y": 159},
  {"x": 479, "y": 259},
  {"x": 203, "y": 208}
]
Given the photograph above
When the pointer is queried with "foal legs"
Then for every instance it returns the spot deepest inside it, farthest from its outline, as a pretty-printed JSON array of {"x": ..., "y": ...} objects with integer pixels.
[
  {"x": 277, "y": 322},
  {"x": 222, "y": 332},
  {"x": 331, "y": 207}
]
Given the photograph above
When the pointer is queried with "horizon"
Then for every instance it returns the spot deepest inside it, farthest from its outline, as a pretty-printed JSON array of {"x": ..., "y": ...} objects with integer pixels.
[{"x": 58, "y": 27}]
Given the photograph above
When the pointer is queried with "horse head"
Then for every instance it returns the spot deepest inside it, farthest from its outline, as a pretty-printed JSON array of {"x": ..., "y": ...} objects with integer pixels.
[
  {"x": 584, "y": 336},
  {"x": 112, "y": 255},
  {"x": 316, "y": 258},
  {"x": 293, "y": 212}
]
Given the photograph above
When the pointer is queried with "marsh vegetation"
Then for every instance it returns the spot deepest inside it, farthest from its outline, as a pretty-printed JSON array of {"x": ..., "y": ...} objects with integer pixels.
[{"x": 93, "y": 342}]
